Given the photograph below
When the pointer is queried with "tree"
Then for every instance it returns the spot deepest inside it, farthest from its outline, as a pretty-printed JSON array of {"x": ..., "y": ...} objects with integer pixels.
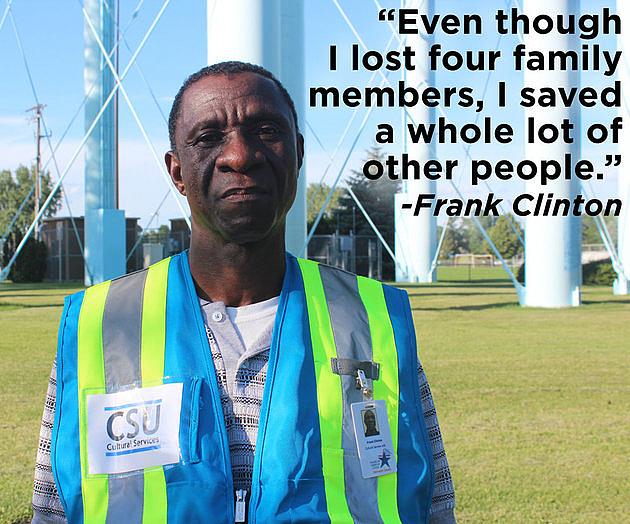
[
  {"x": 590, "y": 233},
  {"x": 455, "y": 239},
  {"x": 30, "y": 266},
  {"x": 156, "y": 236},
  {"x": 315, "y": 197},
  {"x": 13, "y": 190},
  {"x": 505, "y": 238},
  {"x": 377, "y": 197},
  {"x": 476, "y": 243}
]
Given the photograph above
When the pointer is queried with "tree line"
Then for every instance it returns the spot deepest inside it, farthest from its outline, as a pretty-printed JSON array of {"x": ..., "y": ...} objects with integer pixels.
[
  {"x": 15, "y": 188},
  {"x": 462, "y": 235},
  {"x": 341, "y": 216}
]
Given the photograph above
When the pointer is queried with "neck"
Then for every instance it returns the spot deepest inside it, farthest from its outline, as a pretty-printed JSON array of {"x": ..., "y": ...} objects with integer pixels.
[{"x": 236, "y": 274}]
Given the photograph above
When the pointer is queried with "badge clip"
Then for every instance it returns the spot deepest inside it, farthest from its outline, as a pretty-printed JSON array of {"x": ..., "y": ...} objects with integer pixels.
[{"x": 363, "y": 385}]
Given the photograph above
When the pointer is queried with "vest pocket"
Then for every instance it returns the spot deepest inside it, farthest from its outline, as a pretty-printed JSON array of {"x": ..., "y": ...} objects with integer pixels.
[
  {"x": 190, "y": 423},
  {"x": 333, "y": 460}
]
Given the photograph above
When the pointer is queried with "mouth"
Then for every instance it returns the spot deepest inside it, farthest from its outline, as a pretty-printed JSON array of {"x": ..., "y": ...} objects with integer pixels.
[{"x": 244, "y": 193}]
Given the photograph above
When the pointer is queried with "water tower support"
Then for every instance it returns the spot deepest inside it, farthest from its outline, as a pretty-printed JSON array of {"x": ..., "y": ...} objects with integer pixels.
[
  {"x": 553, "y": 268},
  {"x": 104, "y": 222},
  {"x": 271, "y": 34}
]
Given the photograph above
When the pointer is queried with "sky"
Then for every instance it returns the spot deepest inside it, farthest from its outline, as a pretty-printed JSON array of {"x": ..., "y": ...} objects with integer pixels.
[{"x": 51, "y": 36}]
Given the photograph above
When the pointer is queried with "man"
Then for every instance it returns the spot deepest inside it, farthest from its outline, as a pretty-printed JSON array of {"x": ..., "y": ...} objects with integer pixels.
[
  {"x": 369, "y": 419},
  {"x": 219, "y": 385}
]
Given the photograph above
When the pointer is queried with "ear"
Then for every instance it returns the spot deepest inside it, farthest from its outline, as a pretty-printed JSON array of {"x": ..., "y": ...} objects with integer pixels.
[
  {"x": 300, "y": 149},
  {"x": 174, "y": 169}
]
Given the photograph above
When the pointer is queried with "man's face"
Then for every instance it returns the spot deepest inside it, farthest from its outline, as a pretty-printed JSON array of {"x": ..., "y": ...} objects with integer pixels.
[
  {"x": 238, "y": 156},
  {"x": 370, "y": 420}
]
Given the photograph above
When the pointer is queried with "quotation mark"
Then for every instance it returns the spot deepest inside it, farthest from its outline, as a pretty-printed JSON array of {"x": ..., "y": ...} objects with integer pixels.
[
  {"x": 386, "y": 15},
  {"x": 613, "y": 160}
]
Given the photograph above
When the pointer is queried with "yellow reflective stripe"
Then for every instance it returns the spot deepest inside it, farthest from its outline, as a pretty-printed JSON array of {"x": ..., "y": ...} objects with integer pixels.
[
  {"x": 329, "y": 400},
  {"x": 152, "y": 368},
  {"x": 386, "y": 388},
  {"x": 154, "y": 323},
  {"x": 155, "y": 509},
  {"x": 91, "y": 377}
]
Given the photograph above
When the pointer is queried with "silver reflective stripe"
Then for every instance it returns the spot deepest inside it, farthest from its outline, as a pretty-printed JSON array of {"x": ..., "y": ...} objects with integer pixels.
[
  {"x": 346, "y": 309},
  {"x": 122, "y": 332},
  {"x": 125, "y": 499}
]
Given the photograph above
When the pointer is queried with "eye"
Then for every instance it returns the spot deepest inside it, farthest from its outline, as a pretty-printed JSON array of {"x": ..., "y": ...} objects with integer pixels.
[
  {"x": 209, "y": 138},
  {"x": 269, "y": 130}
]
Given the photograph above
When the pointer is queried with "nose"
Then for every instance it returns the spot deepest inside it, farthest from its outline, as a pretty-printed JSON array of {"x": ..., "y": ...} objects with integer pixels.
[{"x": 239, "y": 154}]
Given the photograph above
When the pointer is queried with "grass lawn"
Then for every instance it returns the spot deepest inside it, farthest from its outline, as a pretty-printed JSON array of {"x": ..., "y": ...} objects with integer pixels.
[
  {"x": 29, "y": 315},
  {"x": 533, "y": 403}
]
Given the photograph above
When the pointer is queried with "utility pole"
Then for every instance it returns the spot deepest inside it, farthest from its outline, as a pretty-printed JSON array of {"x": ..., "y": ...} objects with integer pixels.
[{"x": 38, "y": 161}]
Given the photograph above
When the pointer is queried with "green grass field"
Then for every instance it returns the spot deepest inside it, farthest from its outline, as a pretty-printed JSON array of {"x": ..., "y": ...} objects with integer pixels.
[{"x": 534, "y": 404}]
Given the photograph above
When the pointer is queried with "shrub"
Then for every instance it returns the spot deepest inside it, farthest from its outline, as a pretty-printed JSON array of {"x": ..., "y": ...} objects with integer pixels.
[
  {"x": 30, "y": 265},
  {"x": 597, "y": 273}
]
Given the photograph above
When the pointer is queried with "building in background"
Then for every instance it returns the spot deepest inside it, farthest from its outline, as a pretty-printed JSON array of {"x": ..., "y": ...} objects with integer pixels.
[
  {"x": 179, "y": 237},
  {"x": 64, "y": 260}
]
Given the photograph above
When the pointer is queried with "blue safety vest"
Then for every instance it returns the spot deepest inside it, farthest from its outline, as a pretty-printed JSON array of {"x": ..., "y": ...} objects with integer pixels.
[{"x": 146, "y": 330}]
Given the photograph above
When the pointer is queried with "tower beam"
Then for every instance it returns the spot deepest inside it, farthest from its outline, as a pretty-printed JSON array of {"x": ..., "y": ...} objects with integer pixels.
[{"x": 553, "y": 269}]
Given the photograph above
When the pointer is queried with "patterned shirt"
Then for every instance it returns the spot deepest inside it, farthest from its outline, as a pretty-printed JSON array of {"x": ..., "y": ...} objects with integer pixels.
[
  {"x": 46, "y": 503},
  {"x": 241, "y": 395}
]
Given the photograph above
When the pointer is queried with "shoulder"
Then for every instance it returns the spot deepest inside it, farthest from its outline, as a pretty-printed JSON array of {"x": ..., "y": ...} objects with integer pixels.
[
  {"x": 76, "y": 299},
  {"x": 338, "y": 272},
  {"x": 91, "y": 302},
  {"x": 396, "y": 299}
]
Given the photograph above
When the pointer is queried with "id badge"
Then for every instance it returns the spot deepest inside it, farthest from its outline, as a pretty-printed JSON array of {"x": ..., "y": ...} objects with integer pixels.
[{"x": 374, "y": 439}]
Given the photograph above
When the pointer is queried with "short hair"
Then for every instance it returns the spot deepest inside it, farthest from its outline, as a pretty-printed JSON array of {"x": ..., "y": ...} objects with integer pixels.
[{"x": 223, "y": 68}]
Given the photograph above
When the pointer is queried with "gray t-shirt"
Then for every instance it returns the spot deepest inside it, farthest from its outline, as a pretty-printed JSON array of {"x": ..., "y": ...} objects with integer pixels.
[{"x": 241, "y": 332}]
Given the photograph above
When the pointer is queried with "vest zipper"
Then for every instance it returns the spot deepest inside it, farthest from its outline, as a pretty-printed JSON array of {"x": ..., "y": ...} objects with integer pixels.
[{"x": 240, "y": 507}]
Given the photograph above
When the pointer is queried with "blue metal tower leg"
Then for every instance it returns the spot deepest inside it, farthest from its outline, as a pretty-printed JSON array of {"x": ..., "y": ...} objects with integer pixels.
[{"x": 104, "y": 223}]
